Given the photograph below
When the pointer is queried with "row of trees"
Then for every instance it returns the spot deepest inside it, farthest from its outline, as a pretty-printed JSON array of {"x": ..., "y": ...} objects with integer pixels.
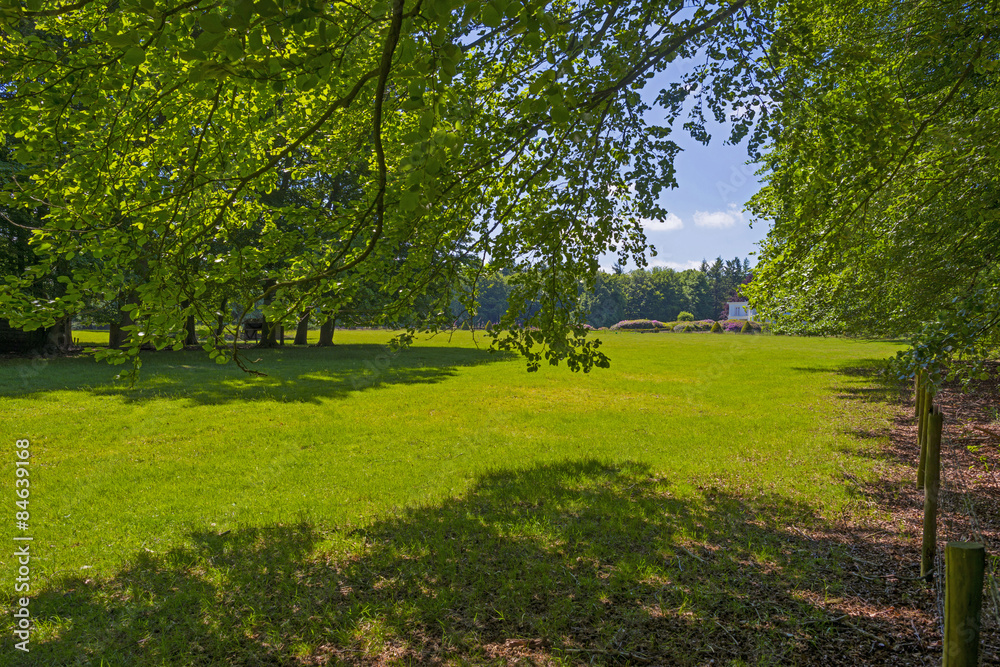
[{"x": 658, "y": 294}]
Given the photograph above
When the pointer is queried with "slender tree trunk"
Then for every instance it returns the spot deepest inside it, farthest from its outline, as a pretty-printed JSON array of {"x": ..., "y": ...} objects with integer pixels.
[
  {"x": 220, "y": 324},
  {"x": 326, "y": 332},
  {"x": 302, "y": 330},
  {"x": 281, "y": 334}
]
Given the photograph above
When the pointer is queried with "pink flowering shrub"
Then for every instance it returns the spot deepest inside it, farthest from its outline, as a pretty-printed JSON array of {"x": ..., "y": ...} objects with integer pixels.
[{"x": 640, "y": 325}]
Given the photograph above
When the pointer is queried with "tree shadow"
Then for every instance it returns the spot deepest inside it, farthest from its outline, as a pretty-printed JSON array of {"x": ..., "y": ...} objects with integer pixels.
[
  {"x": 293, "y": 374},
  {"x": 580, "y": 562},
  {"x": 863, "y": 380}
]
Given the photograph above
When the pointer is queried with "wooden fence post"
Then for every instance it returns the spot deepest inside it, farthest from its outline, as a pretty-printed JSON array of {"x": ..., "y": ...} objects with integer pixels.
[
  {"x": 932, "y": 486},
  {"x": 926, "y": 405},
  {"x": 965, "y": 564},
  {"x": 919, "y": 389}
]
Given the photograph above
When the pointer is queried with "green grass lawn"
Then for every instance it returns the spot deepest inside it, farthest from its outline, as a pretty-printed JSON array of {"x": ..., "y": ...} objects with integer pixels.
[{"x": 357, "y": 504}]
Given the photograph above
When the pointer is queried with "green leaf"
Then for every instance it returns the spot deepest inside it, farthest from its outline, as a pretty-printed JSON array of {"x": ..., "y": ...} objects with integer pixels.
[
  {"x": 306, "y": 81},
  {"x": 412, "y": 137},
  {"x": 266, "y": 8},
  {"x": 211, "y": 23},
  {"x": 409, "y": 201},
  {"x": 233, "y": 48},
  {"x": 255, "y": 42},
  {"x": 134, "y": 57},
  {"x": 275, "y": 33},
  {"x": 121, "y": 40},
  {"x": 407, "y": 50},
  {"x": 491, "y": 17},
  {"x": 560, "y": 114},
  {"x": 207, "y": 41}
]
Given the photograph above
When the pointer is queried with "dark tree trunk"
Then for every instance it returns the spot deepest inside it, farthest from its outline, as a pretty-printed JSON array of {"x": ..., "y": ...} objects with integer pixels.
[
  {"x": 60, "y": 336},
  {"x": 302, "y": 330},
  {"x": 281, "y": 334},
  {"x": 116, "y": 335},
  {"x": 115, "y": 338},
  {"x": 192, "y": 334},
  {"x": 326, "y": 332},
  {"x": 221, "y": 322},
  {"x": 50, "y": 340},
  {"x": 268, "y": 334}
]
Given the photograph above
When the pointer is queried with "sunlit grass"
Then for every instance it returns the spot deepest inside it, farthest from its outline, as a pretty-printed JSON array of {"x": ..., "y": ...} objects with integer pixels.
[{"x": 145, "y": 479}]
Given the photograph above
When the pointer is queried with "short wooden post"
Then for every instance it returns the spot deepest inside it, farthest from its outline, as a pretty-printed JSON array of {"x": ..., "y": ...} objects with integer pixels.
[
  {"x": 932, "y": 487},
  {"x": 965, "y": 564},
  {"x": 926, "y": 405}
]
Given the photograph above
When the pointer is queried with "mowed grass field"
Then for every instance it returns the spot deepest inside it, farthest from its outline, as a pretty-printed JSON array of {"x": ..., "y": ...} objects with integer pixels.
[{"x": 358, "y": 505}]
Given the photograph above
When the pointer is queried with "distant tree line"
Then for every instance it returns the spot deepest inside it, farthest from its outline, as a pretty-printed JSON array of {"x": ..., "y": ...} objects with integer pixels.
[{"x": 656, "y": 294}]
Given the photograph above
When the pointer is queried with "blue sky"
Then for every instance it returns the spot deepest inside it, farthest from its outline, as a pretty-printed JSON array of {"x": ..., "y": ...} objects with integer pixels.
[{"x": 706, "y": 209}]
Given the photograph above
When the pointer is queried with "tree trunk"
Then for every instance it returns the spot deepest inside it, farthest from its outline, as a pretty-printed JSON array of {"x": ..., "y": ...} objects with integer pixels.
[
  {"x": 220, "y": 324},
  {"x": 302, "y": 330},
  {"x": 281, "y": 334},
  {"x": 268, "y": 334},
  {"x": 60, "y": 335},
  {"x": 192, "y": 334},
  {"x": 326, "y": 332},
  {"x": 116, "y": 335}
]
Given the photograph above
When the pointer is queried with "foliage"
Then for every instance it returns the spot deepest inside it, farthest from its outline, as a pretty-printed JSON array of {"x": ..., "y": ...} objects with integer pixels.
[
  {"x": 655, "y": 294},
  {"x": 726, "y": 279},
  {"x": 883, "y": 179},
  {"x": 685, "y": 316},
  {"x": 689, "y": 327},
  {"x": 746, "y": 328},
  {"x": 736, "y": 326},
  {"x": 183, "y": 153},
  {"x": 716, "y": 328}
]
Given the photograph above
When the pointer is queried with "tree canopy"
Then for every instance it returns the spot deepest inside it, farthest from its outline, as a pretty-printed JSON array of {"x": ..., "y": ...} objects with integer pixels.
[
  {"x": 883, "y": 178},
  {"x": 156, "y": 133}
]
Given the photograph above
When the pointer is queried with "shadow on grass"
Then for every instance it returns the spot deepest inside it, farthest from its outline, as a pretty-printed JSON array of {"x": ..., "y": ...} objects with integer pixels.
[
  {"x": 294, "y": 374},
  {"x": 863, "y": 380},
  {"x": 578, "y": 562}
]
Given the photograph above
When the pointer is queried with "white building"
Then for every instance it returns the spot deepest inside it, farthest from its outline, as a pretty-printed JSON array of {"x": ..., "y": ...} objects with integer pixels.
[{"x": 741, "y": 310}]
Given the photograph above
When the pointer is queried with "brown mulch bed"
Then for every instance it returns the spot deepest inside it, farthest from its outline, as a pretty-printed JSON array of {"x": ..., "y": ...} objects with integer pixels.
[{"x": 900, "y": 609}]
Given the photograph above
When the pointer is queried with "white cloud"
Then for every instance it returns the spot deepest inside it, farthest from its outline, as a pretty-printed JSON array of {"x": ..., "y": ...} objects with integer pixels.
[
  {"x": 668, "y": 224},
  {"x": 719, "y": 219},
  {"x": 676, "y": 266}
]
